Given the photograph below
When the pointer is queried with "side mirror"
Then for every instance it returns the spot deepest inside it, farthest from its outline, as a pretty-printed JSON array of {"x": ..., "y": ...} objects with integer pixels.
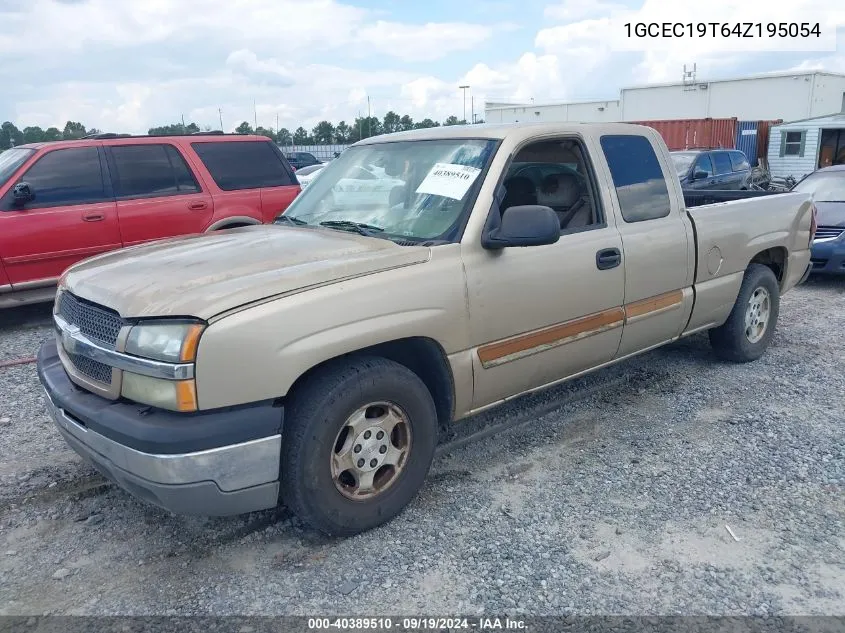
[
  {"x": 22, "y": 193},
  {"x": 526, "y": 225},
  {"x": 700, "y": 175}
]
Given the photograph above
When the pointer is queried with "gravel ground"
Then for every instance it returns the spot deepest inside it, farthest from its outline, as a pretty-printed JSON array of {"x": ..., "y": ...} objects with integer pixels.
[{"x": 616, "y": 499}]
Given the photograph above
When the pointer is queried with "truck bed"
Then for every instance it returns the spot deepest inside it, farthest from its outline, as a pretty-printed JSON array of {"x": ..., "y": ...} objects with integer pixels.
[{"x": 713, "y": 196}]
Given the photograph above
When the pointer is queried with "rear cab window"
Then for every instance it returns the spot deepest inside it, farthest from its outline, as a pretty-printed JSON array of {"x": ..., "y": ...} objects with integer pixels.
[
  {"x": 238, "y": 165},
  {"x": 637, "y": 177}
]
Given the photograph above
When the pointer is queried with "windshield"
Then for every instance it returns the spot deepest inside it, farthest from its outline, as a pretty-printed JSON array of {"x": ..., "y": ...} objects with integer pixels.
[
  {"x": 10, "y": 160},
  {"x": 824, "y": 186},
  {"x": 408, "y": 190},
  {"x": 682, "y": 161}
]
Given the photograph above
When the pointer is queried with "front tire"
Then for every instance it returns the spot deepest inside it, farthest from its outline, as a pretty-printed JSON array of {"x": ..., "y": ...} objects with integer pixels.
[
  {"x": 750, "y": 327},
  {"x": 358, "y": 442}
]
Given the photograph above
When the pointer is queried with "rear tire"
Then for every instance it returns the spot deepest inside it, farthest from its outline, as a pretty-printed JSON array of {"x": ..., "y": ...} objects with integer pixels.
[
  {"x": 750, "y": 327},
  {"x": 358, "y": 442}
]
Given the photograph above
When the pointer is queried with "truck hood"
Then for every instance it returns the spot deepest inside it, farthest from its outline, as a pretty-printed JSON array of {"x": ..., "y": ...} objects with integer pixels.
[{"x": 204, "y": 275}]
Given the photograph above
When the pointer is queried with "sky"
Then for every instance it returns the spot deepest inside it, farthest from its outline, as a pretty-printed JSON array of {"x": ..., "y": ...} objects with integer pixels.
[{"x": 127, "y": 65}]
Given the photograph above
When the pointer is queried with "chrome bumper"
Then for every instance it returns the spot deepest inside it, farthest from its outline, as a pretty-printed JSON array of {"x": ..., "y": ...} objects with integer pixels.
[{"x": 222, "y": 481}]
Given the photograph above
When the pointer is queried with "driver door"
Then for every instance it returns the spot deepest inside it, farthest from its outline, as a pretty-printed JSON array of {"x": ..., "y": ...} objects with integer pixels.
[
  {"x": 540, "y": 314},
  {"x": 72, "y": 216}
]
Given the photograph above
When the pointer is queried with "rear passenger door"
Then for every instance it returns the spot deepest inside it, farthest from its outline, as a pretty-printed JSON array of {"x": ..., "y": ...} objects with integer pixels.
[
  {"x": 254, "y": 178},
  {"x": 657, "y": 243},
  {"x": 157, "y": 194},
  {"x": 725, "y": 178},
  {"x": 71, "y": 217}
]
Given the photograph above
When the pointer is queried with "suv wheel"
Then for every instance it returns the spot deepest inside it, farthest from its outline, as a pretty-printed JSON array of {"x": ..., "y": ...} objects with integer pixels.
[
  {"x": 359, "y": 439},
  {"x": 751, "y": 324}
]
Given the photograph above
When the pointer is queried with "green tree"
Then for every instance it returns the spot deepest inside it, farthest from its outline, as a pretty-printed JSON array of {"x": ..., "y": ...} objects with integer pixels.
[
  {"x": 477, "y": 121},
  {"x": 300, "y": 136},
  {"x": 420, "y": 125},
  {"x": 10, "y": 135},
  {"x": 244, "y": 128},
  {"x": 323, "y": 132},
  {"x": 342, "y": 132},
  {"x": 261, "y": 131},
  {"x": 406, "y": 123},
  {"x": 392, "y": 122},
  {"x": 73, "y": 129},
  {"x": 52, "y": 134},
  {"x": 33, "y": 134},
  {"x": 284, "y": 136},
  {"x": 192, "y": 128},
  {"x": 365, "y": 127},
  {"x": 452, "y": 120}
]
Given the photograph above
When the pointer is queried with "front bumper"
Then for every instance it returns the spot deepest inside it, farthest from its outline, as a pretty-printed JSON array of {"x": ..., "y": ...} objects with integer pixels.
[
  {"x": 828, "y": 258},
  {"x": 216, "y": 463}
]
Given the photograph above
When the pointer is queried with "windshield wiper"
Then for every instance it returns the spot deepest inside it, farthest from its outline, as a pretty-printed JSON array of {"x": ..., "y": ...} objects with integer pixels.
[
  {"x": 356, "y": 227},
  {"x": 290, "y": 219}
]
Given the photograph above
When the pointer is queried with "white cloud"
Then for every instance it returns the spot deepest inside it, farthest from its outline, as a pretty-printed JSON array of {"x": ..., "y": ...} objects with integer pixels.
[
  {"x": 125, "y": 66},
  {"x": 422, "y": 43}
]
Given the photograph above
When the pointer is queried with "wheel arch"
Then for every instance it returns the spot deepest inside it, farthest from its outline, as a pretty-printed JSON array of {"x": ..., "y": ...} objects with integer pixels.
[
  {"x": 232, "y": 222},
  {"x": 775, "y": 258},
  {"x": 422, "y": 355}
]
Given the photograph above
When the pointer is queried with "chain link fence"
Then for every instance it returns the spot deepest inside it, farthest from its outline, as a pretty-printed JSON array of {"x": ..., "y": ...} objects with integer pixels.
[{"x": 320, "y": 152}]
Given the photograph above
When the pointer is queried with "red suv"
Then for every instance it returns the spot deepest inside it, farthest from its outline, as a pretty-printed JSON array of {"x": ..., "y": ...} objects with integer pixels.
[{"x": 65, "y": 201}]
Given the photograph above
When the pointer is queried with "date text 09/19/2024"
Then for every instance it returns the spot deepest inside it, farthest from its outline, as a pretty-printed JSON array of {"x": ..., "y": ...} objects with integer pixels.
[{"x": 416, "y": 624}]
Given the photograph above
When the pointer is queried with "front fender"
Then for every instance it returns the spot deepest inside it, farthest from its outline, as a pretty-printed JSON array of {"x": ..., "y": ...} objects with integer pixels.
[{"x": 259, "y": 352}]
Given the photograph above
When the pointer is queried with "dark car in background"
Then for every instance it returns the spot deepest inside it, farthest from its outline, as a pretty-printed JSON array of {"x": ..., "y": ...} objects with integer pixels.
[
  {"x": 723, "y": 169},
  {"x": 827, "y": 186},
  {"x": 298, "y": 160}
]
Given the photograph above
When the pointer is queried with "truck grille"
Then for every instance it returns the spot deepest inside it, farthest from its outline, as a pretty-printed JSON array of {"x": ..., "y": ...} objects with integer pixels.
[
  {"x": 99, "y": 324},
  {"x": 829, "y": 232},
  {"x": 91, "y": 368}
]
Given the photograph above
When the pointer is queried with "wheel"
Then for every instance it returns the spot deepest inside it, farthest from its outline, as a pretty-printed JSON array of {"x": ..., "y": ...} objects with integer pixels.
[
  {"x": 358, "y": 441},
  {"x": 751, "y": 324}
]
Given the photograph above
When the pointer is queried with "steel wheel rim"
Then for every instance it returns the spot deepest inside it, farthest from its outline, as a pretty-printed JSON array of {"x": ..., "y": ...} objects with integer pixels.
[
  {"x": 757, "y": 315},
  {"x": 371, "y": 450}
]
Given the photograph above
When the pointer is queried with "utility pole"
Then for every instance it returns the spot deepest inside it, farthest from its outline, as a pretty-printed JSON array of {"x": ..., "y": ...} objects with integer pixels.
[
  {"x": 255, "y": 115},
  {"x": 472, "y": 107},
  {"x": 183, "y": 122},
  {"x": 369, "y": 123},
  {"x": 277, "y": 124},
  {"x": 220, "y": 112},
  {"x": 464, "y": 88}
]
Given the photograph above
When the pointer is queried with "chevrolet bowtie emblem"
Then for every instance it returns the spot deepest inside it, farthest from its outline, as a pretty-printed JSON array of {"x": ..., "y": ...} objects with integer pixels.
[{"x": 68, "y": 340}]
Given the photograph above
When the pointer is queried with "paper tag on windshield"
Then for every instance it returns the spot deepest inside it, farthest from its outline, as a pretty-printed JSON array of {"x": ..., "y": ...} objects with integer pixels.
[{"x": 449, "y": 181}]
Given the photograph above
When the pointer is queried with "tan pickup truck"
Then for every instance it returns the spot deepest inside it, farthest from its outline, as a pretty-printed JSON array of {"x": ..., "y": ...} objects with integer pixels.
[{"x": 422, "y": 277}]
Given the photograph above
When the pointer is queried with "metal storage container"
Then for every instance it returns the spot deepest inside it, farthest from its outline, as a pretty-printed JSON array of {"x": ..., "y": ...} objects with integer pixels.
[
  {"x": 752, "y": 138},
  {"x": 681, "y": 134}
]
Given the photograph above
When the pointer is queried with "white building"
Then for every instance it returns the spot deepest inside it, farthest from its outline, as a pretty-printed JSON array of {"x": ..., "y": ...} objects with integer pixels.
[
  {"x": 787, "y": 96},
  {"x": 584, "y": 111},
  {"x": 797, "y": 148}
]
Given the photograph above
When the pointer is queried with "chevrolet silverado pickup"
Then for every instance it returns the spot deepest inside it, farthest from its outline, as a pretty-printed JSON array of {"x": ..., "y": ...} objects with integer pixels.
[{"x": 312, "y": 362}]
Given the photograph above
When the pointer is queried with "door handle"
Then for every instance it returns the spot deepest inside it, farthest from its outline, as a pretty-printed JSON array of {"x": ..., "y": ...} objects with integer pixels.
[
  {"x": 196, "y": 206},
  {"x": 608, "y": 258},
  {"x": 93, "y": 217}
]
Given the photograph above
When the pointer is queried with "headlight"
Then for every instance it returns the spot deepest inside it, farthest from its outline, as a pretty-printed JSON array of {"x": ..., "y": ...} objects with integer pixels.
[
  {"x": 168, "y": 342},
  {"x": 175, "y": 395}
]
